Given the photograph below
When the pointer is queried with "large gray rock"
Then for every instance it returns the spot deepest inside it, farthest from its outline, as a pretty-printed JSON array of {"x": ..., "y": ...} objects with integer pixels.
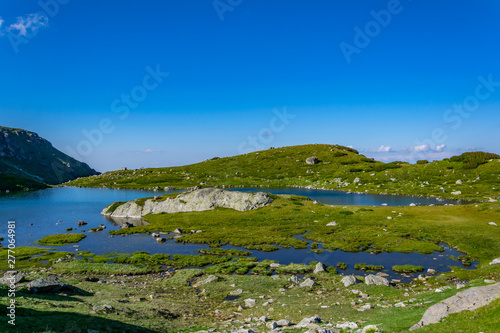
[
  {"x": 195, "y": 201},
  {"x": 308, "y": 321},
  {"x": 349, "y": 280},
  {"x": 12, "y": 277},
  {"x": 49, "y": 284},
  {"x": 312, "y": 160},
  {"x": 209, "y": 279},
  {"x": 470, "y": 299},
  {"x": 376, "y": 280},
  {"x": 307, "y": 283},
  {"x": 320, "y": 267}
]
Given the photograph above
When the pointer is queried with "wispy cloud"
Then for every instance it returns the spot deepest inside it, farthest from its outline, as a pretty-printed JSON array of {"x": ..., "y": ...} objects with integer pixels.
[
  {"x": 425, "y": 148},
  {"x": 1, "y": 22},
  {"x": 384, "y": 149},
  {"x": 143, "y": 151},
  {"x": 28, "y": 24}
]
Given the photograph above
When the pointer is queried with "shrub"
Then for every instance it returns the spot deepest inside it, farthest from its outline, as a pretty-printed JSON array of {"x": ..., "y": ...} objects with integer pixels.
[
  {"x": 422, "y": 162},
  {"x": 365, "y": 267},
  {"x": 342, "y": 265},
  {"x": 407, "y": 269}
]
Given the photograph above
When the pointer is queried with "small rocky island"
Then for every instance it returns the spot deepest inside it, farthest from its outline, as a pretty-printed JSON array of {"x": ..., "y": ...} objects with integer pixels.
[{"x": 194, "y": 201}]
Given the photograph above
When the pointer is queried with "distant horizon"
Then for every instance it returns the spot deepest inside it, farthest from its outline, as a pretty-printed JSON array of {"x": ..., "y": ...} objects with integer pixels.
[{"x": 155, "y": 84}]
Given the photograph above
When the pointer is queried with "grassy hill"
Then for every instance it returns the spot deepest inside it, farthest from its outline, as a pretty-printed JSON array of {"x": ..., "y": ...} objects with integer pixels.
[
  {"x": 18, "y": 183},
  {"x": 26, "y": 154},
  {"x": 468, "y": 176}
]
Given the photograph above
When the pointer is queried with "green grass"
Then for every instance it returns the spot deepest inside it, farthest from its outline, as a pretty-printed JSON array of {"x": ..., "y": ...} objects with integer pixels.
[
  {"x": 61, "y": 239},
  {"x": 224, "y": 252},
  {"x": 407, "y": 269},
  {"x": 338, "y": 167},
  {"x": 365, "y": 267},
  {"x": 81, "y": 267}
]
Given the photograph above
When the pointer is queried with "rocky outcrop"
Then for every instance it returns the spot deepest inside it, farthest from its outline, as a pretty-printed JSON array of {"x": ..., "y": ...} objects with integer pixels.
[
  {"x": 50, "y": 284},
  {"x": 312, "y": 160},
  {"x": 28, "y": 155},
  {"x": 470, "y": 299},
  {"x": 195, "y": 201},
  {"x": 376, "y": 280}
]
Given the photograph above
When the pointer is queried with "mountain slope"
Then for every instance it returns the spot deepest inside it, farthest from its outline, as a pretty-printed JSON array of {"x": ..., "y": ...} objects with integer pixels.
[
  {"x": 468, "y": 176},
  {"x": 28, "y": 155}
]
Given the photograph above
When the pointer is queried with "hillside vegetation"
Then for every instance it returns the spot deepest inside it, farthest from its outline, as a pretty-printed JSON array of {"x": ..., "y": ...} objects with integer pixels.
[
  {"x": 26, "y": 154},
  {"x": 18, "y": 183},
  {"x": 468, "y": 176}
]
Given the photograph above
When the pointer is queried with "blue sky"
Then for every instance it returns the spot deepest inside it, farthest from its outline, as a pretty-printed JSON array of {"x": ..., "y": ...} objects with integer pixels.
[{"x": 162, "y": 83}]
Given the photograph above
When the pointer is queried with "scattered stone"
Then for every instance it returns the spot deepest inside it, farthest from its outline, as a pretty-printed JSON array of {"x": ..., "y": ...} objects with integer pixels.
[
  {"x": 320, "y": 267},
  {"x": 331, "y": 224},
  {"x": 307, "y": 283},
  {"x": 210, "y": 278},
  {"x": 495, "y": 261},
  {"x": 81, "y": 223},
  {"x": 245, "y": 330},
  {"x": 365, "y": 307},
  {"x": 250, "y": 303},
  {"x": 412, "y": 205},
  {"x": 348, "y": 325},
  {"x": 489, "y": 281},
  {"x": 370, "y": 328},
  {"x": 263, "y": 319},
  {"x": 275, "y": 277},
  {"x": 431, "y": 271},
  {"x": 308, "y": 321},
  {"x": 493, "y": 224},
  {"x": 91, "y": 279},
  {"x": 236, "y": 292},
  {"x": 103, "y": 308},
  {"x": 376, "y": 280},
  {"x": 456, "y": 192},
  {"x": 382, "y": 274},
  {"x": 460, "y": 285},
  {"x": 400, "y": 305},
  {"x": 178, "y": 231},
  {"x": 470, "y": 299},
  {"x": 127, "y": 225},
  {"x": 161, "y": 239},
  {"x": 312, "y": 160},
  {"x": 49, "y": 284},
  {"x": 272, "y": 325},
  {"x": 458, "y": 182},
  {"x": 12, "y": 277},
  {"x": 349, "y": 280},
  {"x": 356, "y": 180},
  {"x": 294, "y": 279},
  {"x": 283, "y": 323}
]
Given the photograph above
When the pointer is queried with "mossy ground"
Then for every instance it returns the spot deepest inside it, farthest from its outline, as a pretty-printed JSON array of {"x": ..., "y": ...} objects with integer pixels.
[
  {"x": 61, "y": 239},
  {"x": 478, "y": 175}
]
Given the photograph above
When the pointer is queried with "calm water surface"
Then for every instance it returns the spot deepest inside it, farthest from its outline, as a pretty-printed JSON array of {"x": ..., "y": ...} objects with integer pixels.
[{"x": 51, "y": 211}]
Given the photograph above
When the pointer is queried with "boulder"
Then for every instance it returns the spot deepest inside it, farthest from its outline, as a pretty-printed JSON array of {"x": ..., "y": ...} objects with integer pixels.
[
  {"x": 347, "y": 325},
  {"x": 376, "y": 280},
  {"x": 349, "y": 280},
  {"x": 470, "y": 299},
  {"x": 495, "y": 261},
  {"x": 178, "y": 231},
  {"x": 250, "y": 303},
  {"x": 81, "y": 223},
  {"x": 320, "y": 267},
  {"x": 456, "y": 192},
  {"x": 195, "y": 201},
  {"x": 370, "y": 328},
  {"x": 49, "y": 284},
  {"x": 161, "y": 239},
  {"x": 283, "y": 323},
  {"x": 210, "y": 278},
  {"x": 331, "y": 224},
  {"x": 236, "y": 292},
  {"x": 307, "y": 283},
  {"x": 312, "y": 160},
  {"x": 12, "y": 277},
  {"x": 103, "y": 308},
  {"x": 308, "y": 321},
  {"x": 294, "y": 279},
  {"x": 431, "y": 271},
  {"x": 493, "y": 224}
]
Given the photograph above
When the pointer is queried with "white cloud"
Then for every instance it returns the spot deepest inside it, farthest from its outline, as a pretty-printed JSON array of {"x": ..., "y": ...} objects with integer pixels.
[
  {"x": 28, "y": 24},
  {"x": 384, "y": 149},
  {"x": 440, "y": 147},
  {"x": 1, "y": 22},
  {"x": 425, "y": 148},
  {"x": 147, "y": 151}
]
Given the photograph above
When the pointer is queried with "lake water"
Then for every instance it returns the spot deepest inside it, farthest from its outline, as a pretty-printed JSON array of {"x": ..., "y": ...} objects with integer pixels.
[{"x": 51, "y": 211}]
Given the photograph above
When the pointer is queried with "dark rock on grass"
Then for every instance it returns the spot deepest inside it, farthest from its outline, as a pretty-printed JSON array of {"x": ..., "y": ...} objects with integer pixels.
[
  {"x": 12, "y": 277},
  {"x": 470, "y": 299},
  {"x": 49, "y": 284},
  {"x": 91, "y": 279}
]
